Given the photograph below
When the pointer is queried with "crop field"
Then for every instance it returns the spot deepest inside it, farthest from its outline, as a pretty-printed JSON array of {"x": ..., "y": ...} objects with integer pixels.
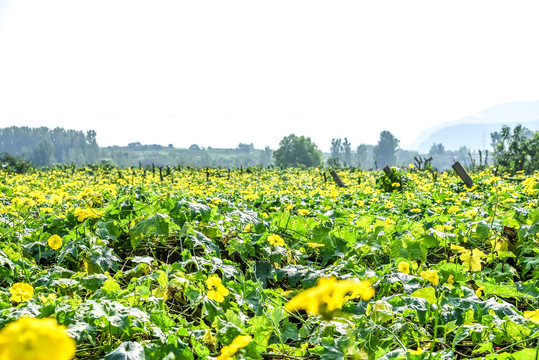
[{"x": 267, "y": 264}]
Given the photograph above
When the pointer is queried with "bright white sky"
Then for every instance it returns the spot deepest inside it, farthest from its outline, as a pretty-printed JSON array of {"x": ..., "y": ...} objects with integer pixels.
[{"x": 218, "y": 73}]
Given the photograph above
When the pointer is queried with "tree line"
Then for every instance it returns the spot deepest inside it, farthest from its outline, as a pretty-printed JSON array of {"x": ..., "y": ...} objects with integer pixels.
[
  {"x": 300, "y": 151},
  {"x": 44, "y": 147},
  {"x": 512, "y": 151}
]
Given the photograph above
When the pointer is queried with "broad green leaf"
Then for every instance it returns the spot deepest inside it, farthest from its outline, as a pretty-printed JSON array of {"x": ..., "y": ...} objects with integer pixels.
[
  {"x": 162, "y": 320},
  {"x": 427, "y": 293},
  {"x": 110, "y": 286},
  {"x": 93, "y": 282},
  {"x": 127, "y": 351},
  {"x": 156, "y": 225},
  {"x": 482, "y": 231},
  {"x": 526, "y": 354},
  {"x": 408, "y": 249}
]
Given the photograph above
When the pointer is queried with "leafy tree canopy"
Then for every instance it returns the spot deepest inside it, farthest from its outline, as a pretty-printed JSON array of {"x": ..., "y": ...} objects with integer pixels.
[
  {"x": 297, "y": 150},
  {"x": 516, "y": 150},
  {"x": 384, "y": 151}
]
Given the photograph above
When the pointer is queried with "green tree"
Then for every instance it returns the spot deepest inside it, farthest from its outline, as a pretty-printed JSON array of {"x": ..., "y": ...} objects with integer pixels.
[
  {"x": 294, "y": 151},
  {"x": 336, "y": 148},
  {"x": 364, "y": 156},
  {"x": 43, "y": 154},
  {"x": 347, "y": 152},
  {"x": 437, "y": 149},
  {"x": 517, "y": 150},
  {"x": 384, "y": 151}
]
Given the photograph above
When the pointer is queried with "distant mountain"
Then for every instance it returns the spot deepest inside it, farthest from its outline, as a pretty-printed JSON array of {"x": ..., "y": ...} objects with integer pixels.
[{"x": 474, "y": 131}]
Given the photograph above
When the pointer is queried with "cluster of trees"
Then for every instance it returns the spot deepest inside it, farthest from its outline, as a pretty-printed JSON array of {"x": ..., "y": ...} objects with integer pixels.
[
  {"x": 516, "y": 150},
  {"x": 299, "y": 150},
  {"x": 136, "y": 154},
  {"x": 44, "y": 147}
]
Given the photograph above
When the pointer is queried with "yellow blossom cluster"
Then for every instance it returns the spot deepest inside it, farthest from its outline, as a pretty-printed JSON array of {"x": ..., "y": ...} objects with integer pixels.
[
  {"x": 329, "y": 295},
  {"x": 83, "y": 214},
  {"x": 21, "y": 292},
  {"x": 431, "y": 276},
  {"x": 35, "y": 339}
]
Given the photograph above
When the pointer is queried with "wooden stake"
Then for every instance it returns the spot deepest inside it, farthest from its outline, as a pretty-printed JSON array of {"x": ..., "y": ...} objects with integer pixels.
[
  {"x": 336, "y": 178},
  {"x": 463, "y": 174}
]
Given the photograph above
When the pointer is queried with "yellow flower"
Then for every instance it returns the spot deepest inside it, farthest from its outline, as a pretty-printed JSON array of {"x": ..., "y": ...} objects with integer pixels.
[
  {"x": 458, "y": 248},
  {"x": 228, "y": 351},
  {"x": 431, "y": 276},
  {"x": 315, "y": 245},
  {"x": 404, "y": 267},
  {"x": 248, "y": 228},
  {"x": 478, "y": 292},
  {"x": 453, "y": 209},
  {"x": 532, "y": 315},
  {"x": 216, "y": 290},
  {"x": 419, "y": 351},
  {"x": 275, "y": 240},
  {"x": 21, "y": 292},
  {"x": 83, "y": 214},
  {"x": 36, "y": 339},
  {"x": 450, "y": 280},
  {"x": 471, "y": 260},
  {"x": 55, "y": 242},
  {"x": 329, "y": 295},
  {"x": 470, "y": 189},
  {"x": 49, "y": 299},
  {"x": 411, "y": 166},
  {"x": 443, "y": 228},
  {"x": 470, "y": 213},
  {"x": 303, "y": 212}
]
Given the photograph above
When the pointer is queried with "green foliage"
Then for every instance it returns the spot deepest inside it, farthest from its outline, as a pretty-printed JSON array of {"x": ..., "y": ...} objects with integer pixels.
[
  {"x": 295, "y": 151},
  {"x": 517, "y": 150},
  {"x": 45, "y": 147},
  {"x": 127, "y": 351},
  {"x": 13, "y": 164},
  {"x": 384, "y": 151},
  {"x": 394, "y": 180},
  {"x": 135, "y": 283}
]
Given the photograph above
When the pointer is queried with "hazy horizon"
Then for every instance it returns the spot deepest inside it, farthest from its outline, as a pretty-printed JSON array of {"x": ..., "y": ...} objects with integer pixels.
[{"x": 220, "y": 73}]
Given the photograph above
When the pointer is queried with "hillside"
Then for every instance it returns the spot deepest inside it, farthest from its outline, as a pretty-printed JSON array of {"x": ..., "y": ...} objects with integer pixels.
[{"x": 474, "y": 131}]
